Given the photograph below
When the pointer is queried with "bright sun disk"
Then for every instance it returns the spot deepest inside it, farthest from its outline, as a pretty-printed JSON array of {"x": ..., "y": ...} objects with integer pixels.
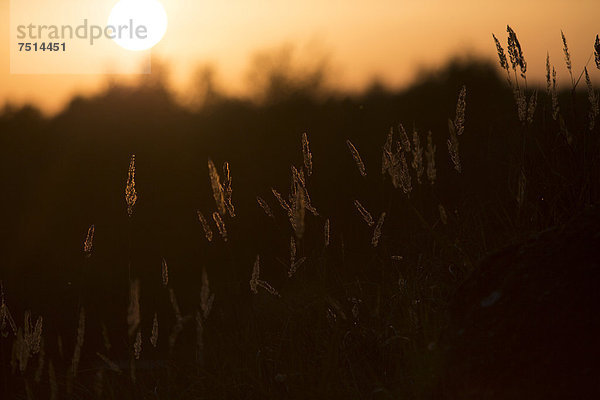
[{"x": 138, "y": 13}]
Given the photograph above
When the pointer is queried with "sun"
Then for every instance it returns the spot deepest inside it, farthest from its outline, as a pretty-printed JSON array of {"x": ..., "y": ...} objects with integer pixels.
[{"x": 138, "y": 24}]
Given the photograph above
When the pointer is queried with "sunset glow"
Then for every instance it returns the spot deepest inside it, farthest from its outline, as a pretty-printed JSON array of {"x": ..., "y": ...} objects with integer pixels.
[{"x": 388, "y": 40}]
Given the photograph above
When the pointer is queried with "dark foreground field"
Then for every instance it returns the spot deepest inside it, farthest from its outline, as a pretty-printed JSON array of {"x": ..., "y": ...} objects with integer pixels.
[{"x": 347, "y": 304}]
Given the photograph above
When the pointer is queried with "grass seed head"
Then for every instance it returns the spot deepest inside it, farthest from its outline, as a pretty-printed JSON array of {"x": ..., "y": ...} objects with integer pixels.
[
  {"x": 521, "y": 102},
  {"x": 228, "y": 190},
  {"x": 137, "y": 345},
  {"x": 515, "y": 52},
  {"x": 220, "y": 225},
  {"x": 297, "y": 219},
  {"x": 307, "y": 154},
  {"x": 268, "y": 288},
  {"x": 404, "y": 141},
  {"x": 443, "y": 215},
  {"x": 555, "y": 105},
  {"x": 282, "y": 201},
  {"x": 357, "y": 159},
  {"x": 255, "y": 275},
  {"x": 501, "y": 54},
  {"x": 531, "y": 107},
  {"x": 548, "y": 75},
  {"x": 6, "y": 319},
  {"x": 164, "y": 272},
  {"x": 265, "y": 206},
  {"x": 567, "y": 54},
  {"x": 386, "y": 157},
  {"x": 366, "y": 216},
  {"x": 130, "y": 192},
  {"x": 453, "y": 147},
  {"x": 597, "y": 52},
  {"x": 404, "y": 175},
  {"x": 89, "y": 241},
  {"x": 294, "y": 267},
  {"x": 377, "y": 231},
  {"x": 593, "y": 99},
  {"x": 208, "y": 233},
  {"x": 217, "y": 189},
  {"x": 110, "y": 364},
  {"x": 206, "y": 297},
  {"x": 461, "y": 105}
]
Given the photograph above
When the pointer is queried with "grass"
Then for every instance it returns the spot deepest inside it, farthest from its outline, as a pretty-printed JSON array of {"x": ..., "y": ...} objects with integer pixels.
[{"x": 305, "y": 295}]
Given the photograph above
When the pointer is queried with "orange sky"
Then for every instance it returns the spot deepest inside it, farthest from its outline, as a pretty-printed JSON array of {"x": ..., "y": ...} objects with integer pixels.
[{"x": 363, "y": 38}]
